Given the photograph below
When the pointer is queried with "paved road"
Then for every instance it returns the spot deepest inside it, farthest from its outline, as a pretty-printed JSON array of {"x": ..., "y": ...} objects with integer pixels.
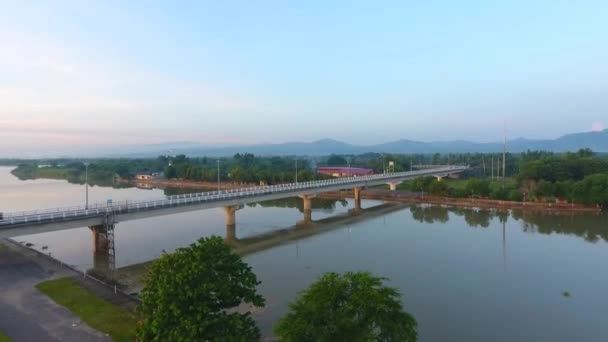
[{"x": 28, "y": 315}]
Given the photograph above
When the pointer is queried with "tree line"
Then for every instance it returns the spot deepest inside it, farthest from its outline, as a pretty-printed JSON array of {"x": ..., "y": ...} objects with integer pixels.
[{"x": 581, "y": 177}]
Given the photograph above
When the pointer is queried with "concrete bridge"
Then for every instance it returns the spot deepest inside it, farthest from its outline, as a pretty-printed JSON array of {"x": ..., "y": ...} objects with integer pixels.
[{"x": 102, "y": 218}]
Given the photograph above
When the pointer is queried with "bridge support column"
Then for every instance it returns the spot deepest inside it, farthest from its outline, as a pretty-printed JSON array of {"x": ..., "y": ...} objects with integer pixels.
[
  {"x": 439, "y": 178},
  {"x": 230, "y": 233},
  {"x": 393, "y": 185},
  {"x": 357, "y": 195},
  {"x": 307, "y": 200},
  {"x": 103, "y": 247},
  {"x": 230, "y": 211}
]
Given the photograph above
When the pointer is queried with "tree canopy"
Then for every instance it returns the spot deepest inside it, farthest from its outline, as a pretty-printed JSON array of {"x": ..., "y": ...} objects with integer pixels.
[
  {"x": 191, "y": 295},
  {"x": 350, "y": 307}
]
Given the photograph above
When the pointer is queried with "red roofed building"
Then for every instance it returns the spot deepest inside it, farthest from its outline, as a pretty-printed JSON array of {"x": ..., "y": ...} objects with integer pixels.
[{"x": 340, "y": 171}]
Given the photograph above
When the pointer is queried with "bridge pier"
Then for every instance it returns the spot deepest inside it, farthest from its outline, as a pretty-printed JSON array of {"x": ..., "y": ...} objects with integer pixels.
[
  {"x": 439, "y": 178},
  {"x": 357, "y": 195},
  {"x": 230, "y": 233},
  {"x": 393, "y": 185},
  {"x": 230, "y": 211},
  {"x": 103, "y": 247},
  {"x": 307, "y": 200}
]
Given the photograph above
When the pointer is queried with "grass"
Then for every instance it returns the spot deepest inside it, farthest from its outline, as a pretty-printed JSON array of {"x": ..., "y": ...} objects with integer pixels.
[
  {"x": 2, "y": 246},
  {"x": 4, "y": 338},
  {"x": 96, "y": 312}
]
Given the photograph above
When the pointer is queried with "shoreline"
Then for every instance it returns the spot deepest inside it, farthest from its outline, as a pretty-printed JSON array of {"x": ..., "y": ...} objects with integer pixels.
[
  {"x": 395, "y": 196},
  {"x": 412, "y": 197},
  {"x": 186, "y": 184}
]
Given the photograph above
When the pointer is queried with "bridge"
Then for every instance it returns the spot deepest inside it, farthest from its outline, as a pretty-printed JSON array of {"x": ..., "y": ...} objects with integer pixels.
[{"x": 102, "y": 217}]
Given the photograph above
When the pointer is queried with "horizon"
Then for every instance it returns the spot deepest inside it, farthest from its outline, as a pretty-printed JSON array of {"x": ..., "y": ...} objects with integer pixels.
[
  {"x": 177, "y": 147},
  {"x": 107, "y": 74}
]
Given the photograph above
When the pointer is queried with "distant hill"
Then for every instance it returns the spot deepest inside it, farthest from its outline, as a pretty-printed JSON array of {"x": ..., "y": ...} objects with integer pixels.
[{"x": 597, "y": 141}]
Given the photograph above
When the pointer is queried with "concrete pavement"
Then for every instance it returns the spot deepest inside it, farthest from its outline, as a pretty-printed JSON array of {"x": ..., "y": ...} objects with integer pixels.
[{"x": 28, "y": 315}]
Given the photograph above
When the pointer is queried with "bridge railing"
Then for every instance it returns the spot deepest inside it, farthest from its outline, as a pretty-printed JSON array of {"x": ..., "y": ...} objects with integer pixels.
[{"x": 97, "y": 209}]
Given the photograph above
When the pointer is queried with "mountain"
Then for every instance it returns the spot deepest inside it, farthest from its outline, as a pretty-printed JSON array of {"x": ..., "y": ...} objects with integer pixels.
[{"x": 597, "y": 141}]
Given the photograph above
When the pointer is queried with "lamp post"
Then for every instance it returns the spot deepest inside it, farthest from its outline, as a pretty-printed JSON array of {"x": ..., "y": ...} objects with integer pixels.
[
  {"x": 349, "y": 173},
  {"x": 218, "y": 175},
  {"x": 86, "y": 184}
]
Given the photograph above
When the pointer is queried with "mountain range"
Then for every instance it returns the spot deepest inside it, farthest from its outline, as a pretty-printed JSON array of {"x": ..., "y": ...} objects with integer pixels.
[{"x": 596, "y": 141}]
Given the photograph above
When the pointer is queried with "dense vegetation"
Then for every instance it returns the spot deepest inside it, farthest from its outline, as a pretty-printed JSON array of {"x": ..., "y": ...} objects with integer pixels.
[
  {"x": 350, "y": 307},
  {"x": 580, "y": 177},
  {"x": 532, "y": 176},
  {"x": 193, "y": 295}
]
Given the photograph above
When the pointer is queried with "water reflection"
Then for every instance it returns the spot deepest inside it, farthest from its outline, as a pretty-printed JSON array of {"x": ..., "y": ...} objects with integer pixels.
[{"x": 591, "y": 227}]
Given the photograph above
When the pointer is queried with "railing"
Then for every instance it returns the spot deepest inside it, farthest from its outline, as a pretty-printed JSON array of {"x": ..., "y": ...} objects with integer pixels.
[{"x": 100, "y": 209}]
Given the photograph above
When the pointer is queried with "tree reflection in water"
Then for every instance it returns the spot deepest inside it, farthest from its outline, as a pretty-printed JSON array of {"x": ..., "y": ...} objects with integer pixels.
[{"x": 589, "y": 226}]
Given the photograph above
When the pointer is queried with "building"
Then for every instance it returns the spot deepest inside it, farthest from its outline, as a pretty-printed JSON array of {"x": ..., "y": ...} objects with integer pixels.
[
  {"x": 146, "y": 176},
  {"x": 143, "y": 176},
  {"x": 340, "y": 171}
]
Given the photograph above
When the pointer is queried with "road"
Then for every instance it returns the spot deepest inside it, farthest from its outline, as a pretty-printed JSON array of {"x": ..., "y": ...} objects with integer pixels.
[{"x": 28, "y": 315}]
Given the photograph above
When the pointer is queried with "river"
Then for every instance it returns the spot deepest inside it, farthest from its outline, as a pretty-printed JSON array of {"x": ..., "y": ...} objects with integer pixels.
[{"x": 465, "y": 275}]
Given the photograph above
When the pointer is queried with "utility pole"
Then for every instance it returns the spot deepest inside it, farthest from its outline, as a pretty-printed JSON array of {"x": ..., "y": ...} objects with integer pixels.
[
  {"x": 86, "y": 184},
  {"x": 349, "y": 167},
  {"x": 218, "y": 175},
  {"x": 504, "y": 152},
  {"x": 296, "y": 171},
  {"x": 492, "y": 179}
]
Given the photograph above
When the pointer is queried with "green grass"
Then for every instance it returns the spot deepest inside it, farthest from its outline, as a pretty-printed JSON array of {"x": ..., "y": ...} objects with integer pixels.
[
  {"x": 4, "y": 338},
  {"x": 2, "y": 246},
  {"x": 96, "y": 312}
]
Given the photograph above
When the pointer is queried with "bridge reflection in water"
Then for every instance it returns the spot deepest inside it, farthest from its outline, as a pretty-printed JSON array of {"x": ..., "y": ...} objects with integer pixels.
[
  {"x": 251, "y": 244},
  {"x": 589, "y": 227}
]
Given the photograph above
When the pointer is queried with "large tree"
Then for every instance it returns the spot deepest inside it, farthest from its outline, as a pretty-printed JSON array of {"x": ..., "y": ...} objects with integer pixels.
[
  {"x": 350, "y": 307},
  {"x": 192, "y": 295}
]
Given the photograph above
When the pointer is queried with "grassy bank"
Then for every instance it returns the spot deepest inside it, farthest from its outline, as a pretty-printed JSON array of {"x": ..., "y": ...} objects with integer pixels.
[
  {"x": 96, "y": 312},
  {"x": 4, "y": 338}
]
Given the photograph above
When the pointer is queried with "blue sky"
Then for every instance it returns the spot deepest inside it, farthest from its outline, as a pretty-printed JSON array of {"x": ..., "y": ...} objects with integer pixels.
[{"x": 130, "y": 72}]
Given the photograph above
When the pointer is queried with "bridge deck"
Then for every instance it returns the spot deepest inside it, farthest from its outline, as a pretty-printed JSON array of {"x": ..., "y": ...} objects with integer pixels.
[{"x": 126, "y": 210}]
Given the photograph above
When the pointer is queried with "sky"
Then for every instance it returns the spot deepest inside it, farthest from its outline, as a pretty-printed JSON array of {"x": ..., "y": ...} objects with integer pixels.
[{"x": 89, "y": 74}]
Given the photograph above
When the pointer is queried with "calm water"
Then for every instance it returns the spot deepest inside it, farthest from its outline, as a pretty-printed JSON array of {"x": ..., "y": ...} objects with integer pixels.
[{"x": 465, "y": 275}]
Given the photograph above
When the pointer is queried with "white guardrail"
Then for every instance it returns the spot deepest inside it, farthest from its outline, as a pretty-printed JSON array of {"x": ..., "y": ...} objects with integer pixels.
[{"x": 99, "y": 209}]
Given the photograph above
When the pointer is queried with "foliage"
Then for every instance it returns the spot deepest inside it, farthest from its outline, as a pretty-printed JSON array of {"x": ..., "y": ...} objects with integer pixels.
[
  {"x": 335, "y": 160},
  {"x": 592, "y": 190},
  {"x": 478, "y": 187},
  {"x": 96, "y": 312},
  {"x": 191, "y": 295},
  {"x": 349, "y": 307},
  {"x": 4, "y": 338}
]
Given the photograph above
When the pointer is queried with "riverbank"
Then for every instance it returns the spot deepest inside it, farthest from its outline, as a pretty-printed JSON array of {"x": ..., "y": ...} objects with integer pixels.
[
  {"x": 25, "y": 313},
  {"x": 415, "y": 197},
  {"x": 185, "y": 184}
]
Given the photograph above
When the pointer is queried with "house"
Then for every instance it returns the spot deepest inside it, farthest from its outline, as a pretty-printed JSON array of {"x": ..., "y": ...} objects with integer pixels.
[{"x": 149, "y": 176}]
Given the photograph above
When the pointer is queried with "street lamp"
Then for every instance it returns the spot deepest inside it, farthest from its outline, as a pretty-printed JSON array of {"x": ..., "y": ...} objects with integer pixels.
[
  {"x": 218, "y": 175},
  {"x": 86, "y": 184}
]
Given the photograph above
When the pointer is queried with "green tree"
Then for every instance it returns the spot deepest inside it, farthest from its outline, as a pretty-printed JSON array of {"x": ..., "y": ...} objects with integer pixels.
[
  {"x": 188, "y": 294},
  {"x": 335, "y": 160},
  {"x": 350, "y": 307}
]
